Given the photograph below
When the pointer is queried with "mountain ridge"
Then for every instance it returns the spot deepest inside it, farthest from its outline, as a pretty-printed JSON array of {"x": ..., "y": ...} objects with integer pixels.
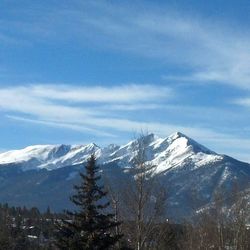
[
  {"x": 36, "y": 175},
  {"x": 61, "y": 155}
]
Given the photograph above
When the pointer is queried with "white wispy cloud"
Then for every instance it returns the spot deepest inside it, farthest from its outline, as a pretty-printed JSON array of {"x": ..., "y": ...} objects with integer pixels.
[
  {"x": 216, "y": 52},
  {"x": 129, "y": 93},
  {"x": 245, "y": 101},
  {"x": 23, "y": 100},
  {"x": 30, "y": 104},
  {"x": 210, "y": 51},
  {"x": 220, "y": 142},
  {"x": 39, "y": 104},
  {"x": 51, "y": 104},
  {"x": 63, "y": 125}
]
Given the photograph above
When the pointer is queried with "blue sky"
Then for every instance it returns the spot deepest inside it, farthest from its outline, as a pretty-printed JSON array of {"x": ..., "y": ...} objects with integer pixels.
[{"x": 83, "y": 71}]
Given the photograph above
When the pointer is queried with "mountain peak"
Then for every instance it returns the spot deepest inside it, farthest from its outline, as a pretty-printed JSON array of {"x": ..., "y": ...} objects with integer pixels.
[
  {"x": 176, "y": 135},
  {"x": 197, "y": 147},
  {"x": 165, "y": 152},
  {"x": 92, "y": 146},
  {"x": 182, "y": 164}
]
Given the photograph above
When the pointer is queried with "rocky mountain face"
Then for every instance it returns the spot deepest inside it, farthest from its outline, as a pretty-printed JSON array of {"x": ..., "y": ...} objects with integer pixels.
[{"x": 43, "y": 175}]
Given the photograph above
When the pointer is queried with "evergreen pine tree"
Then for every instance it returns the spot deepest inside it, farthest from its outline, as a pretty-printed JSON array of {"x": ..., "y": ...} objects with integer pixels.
[{"x": 90, "y": 227}]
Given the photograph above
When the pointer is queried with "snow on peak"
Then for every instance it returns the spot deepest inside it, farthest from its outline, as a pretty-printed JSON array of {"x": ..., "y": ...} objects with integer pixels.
[
  {"x": 48, "y": 156},
  {"x": 165, "y": 153},
  {"x": 178, "y": 148},
  {"x": 189, "y": 142},
  {"x": 176, "y": 135}
]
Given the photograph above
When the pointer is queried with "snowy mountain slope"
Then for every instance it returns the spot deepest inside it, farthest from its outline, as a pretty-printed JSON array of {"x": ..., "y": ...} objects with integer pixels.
[
  {"x": 191, "y": 173},
  {"x": 164, "y": 153},
  {"x": 49, "y": 156}
]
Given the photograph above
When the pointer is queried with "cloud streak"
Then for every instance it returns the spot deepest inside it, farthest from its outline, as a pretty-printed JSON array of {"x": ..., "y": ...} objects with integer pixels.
[
  {"x": 51, "y": 105},
  {"x": 242, "y": 102},
  {"x": 40, "y": 105},
  {"x": 66, "y": 125},
  {"x": 200, "y": 51},
  {"x": 130, "y": 93},
  {"x": 210, "y": 51}
]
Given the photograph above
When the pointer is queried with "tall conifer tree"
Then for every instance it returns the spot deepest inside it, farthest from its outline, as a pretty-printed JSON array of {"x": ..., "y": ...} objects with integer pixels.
[{"x": 91, "y": 227}]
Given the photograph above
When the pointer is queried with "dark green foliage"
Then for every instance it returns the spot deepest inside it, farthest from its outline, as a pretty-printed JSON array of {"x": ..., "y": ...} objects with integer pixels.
[
  {"x": 91, "y": 226},
  {"x": 25, "y": 229}
]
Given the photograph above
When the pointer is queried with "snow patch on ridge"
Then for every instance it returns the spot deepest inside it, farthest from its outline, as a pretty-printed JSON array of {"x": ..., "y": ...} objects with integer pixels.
[{"x": 165, "y": 153}]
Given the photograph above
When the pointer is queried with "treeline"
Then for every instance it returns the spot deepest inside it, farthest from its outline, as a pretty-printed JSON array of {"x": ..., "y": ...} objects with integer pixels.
[
  {"x": 220, "y": 227},
  {"x": 133, "y": 217},
  {"x": 22, "y": 228}
]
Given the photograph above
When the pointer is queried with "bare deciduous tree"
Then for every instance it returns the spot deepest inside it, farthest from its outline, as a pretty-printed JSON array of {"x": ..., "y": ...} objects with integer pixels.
[
  {"x": 222, "y": 226},
  {"x": 143, "y": 203}
]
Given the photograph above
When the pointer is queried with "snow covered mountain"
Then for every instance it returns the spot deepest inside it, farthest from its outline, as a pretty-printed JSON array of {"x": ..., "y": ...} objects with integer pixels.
[
  {"x": 48, "y": 156},
  {"x": 164, "y": 153},
  {"x": 36, "y": 175}
]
